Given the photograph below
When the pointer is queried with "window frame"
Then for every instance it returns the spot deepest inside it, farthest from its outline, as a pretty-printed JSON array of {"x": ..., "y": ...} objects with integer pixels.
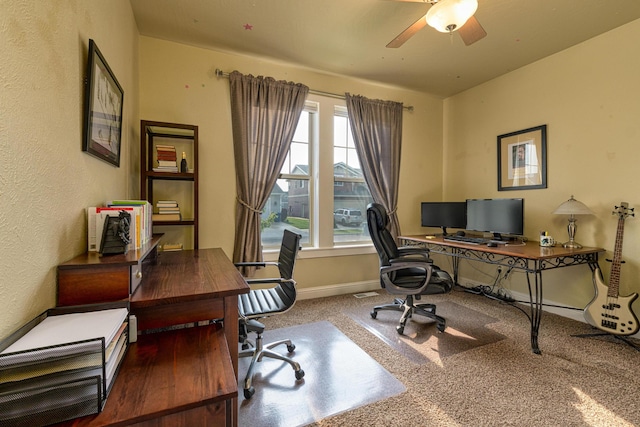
[{"x": 321, "y": 181}]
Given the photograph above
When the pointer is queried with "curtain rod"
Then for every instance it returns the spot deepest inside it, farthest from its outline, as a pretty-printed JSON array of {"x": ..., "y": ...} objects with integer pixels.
[{"x": 221, "y": 73}]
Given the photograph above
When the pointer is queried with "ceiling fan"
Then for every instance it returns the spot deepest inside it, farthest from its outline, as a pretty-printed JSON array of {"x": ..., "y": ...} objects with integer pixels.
[{"x": 445, "y": 16}]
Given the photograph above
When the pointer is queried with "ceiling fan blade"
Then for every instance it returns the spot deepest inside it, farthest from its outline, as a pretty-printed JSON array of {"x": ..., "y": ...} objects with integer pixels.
[
  {"x": 408, "y": 33},
  {"x": 471, "y": 31}
]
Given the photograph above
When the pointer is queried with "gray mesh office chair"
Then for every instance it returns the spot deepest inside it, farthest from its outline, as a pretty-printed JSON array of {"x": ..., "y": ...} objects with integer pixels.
[
  {"x": 260, "y": 303},
  {"x": 406, "y": 271}
]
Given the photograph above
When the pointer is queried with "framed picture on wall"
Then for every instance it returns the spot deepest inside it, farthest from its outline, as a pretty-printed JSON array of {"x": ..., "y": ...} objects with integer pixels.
[
  {"x": 103, "y": 109},
  {"x": 522, "y": 159}
]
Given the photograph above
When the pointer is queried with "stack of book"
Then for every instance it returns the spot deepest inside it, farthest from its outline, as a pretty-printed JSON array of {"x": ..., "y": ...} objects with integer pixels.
[
  {"x": 140, "y": 231},
  {"x": 61, "y": 365},
  {"x": 167, "y": 159},
  {"x": 167, "y": 210}
]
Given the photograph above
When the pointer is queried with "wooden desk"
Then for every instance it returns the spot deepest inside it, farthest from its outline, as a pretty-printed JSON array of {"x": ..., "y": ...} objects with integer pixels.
[
  {"x": 184, "y": 377},
  {"x": 529, "y": 257}
]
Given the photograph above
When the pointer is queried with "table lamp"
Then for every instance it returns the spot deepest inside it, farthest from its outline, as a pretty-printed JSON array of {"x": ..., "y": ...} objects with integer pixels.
[{"x": 572, "y": 207}]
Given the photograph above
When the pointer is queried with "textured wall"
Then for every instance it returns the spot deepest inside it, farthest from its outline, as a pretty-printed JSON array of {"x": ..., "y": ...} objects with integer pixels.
[{"x": 46, "y": 181}]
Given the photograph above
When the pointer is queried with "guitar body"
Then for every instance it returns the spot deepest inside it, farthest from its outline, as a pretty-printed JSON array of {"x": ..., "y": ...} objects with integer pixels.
[
  {"x": 611, "y": 314},
  {"x": 608, "y": 311}
]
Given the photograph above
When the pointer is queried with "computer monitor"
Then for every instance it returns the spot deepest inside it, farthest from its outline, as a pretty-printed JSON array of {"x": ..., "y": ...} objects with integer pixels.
[
  {"x": 497, "y": 216},
  {"x": 443, "y": 215}
]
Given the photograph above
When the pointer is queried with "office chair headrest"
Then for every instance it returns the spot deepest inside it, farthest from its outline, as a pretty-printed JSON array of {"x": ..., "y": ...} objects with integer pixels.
[{"x": 381, "y": 217}]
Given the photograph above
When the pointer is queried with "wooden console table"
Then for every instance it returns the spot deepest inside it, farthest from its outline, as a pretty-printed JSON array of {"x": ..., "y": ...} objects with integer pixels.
[
  {"x": 180, "y": 377},
  {"x": 528, "y": 257}
]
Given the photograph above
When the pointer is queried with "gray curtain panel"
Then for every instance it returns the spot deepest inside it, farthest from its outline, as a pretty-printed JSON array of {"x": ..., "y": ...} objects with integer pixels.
[
  {"x": 264, "y": 115},
  {"x": 376, "y": 126}
]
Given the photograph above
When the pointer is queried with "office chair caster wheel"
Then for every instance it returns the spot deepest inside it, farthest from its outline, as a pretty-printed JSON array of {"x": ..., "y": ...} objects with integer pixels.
[
  {"x": 374, "y": 314},
  {"x": 245, "y": 346},
  {"x": 441, "y": 327},
  {"x": 290, "y": 348},
  {"x": 248, "y": 392},
  {"x": 299, "y": 374},
  {"x": 400, "y": 329}
]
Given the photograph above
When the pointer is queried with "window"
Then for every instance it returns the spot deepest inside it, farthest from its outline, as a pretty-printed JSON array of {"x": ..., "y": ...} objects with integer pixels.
[
  {"x": 350, "y": 192},
  {"x": 288, "y": 204},
  {"x": 320, "y": 193}
]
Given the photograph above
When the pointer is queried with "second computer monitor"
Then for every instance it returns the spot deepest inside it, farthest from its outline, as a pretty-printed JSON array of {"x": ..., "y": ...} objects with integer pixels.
[{"x": 497, "y": 216}]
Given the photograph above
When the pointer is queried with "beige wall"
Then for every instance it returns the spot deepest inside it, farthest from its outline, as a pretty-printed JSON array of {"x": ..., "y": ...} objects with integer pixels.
[
  {"x": 46, "y": 181},
  {"x": 588, "y": 97},
  {"x": 178, "y": 84}
]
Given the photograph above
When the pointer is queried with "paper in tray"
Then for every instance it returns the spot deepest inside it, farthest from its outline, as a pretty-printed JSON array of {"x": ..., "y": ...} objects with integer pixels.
[{"x": 61, "y": 365}]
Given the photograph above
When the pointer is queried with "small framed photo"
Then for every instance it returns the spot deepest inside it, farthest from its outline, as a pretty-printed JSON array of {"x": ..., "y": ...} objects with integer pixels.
[
  {"x": 522, "y": 159},
  {"x": 103, "y": 109}
]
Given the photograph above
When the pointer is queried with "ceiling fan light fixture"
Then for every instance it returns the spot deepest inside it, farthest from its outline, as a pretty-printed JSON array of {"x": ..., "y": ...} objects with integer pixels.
[{"x": 449, "y": 15}]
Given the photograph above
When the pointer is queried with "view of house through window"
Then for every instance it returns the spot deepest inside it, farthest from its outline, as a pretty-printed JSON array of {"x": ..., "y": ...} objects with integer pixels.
[
  {"x": 350, "y": 193},
  {"x": 299, "y": 187}
]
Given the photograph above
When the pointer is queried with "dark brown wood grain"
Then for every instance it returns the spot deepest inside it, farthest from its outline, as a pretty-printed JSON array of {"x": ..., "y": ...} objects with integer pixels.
[
  {"x": 166, "y": 377},
  {"x": 183, "y": 377}
]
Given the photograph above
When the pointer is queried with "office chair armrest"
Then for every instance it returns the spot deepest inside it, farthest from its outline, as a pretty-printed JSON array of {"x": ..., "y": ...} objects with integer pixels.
[
  {"x": 414, "y": 251},
  {"x": 255, "y": 264},
  {"x": 406, "y": 263},
  {"x": 386, "y": 275},
  {"x": 272, "y": 280}
]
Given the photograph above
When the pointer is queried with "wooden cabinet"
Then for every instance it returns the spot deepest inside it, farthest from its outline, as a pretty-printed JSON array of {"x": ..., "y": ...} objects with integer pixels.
[
  {"x": 156, "y": 184},
  {"x": 92, "y": 278}
]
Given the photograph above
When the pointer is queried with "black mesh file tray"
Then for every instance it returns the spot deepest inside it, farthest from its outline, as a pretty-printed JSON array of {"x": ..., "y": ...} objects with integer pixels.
[{"x": 41, "y": 385}]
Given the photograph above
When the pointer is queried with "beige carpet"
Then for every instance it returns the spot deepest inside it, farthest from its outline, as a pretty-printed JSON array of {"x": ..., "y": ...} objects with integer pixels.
[
  {"x": 421, "y": 341},
  {"x": 339, "y": 376},
  {"x": 574, "y": 382}
]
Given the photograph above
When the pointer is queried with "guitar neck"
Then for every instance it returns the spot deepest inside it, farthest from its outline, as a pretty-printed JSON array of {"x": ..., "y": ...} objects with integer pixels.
[{"x": 614, "y": 278}]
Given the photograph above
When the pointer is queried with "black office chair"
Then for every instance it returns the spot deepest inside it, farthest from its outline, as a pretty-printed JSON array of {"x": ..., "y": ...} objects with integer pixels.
[
  {"x": 260, "y": 303},
  {"x": 407, "y": 271}
]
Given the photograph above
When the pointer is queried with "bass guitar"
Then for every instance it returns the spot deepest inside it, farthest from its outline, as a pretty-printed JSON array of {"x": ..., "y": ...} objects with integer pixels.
[{"x": 609, "y": 311}]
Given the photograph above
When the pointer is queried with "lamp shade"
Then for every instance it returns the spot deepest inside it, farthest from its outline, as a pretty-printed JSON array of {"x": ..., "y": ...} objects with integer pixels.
[
  {"x": 573, "y": 207},
  {"x": 449, "y": 15}
]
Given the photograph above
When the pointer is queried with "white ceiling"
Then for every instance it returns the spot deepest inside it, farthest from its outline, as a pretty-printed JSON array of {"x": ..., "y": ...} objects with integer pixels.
[{"x": 348, "y": 37}]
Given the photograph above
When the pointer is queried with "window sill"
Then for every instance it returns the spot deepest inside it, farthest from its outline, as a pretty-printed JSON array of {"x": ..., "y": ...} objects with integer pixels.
[{"x": 308, "y": 253}]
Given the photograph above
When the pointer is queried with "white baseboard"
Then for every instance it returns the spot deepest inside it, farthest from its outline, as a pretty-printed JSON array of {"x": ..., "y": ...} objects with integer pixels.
[{"x": 339, "y": 289}]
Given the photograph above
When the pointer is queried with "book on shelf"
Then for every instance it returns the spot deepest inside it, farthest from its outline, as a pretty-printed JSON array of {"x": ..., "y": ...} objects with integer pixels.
[
  {"x": 166, "y": 169},
  {"x": 167, "y": 163},
  {"x": 166, "y": 203},
  {"x": 168, "y": 247},
  {"x": 162, "y": 210},
  {"x": 166, "y": 217}
]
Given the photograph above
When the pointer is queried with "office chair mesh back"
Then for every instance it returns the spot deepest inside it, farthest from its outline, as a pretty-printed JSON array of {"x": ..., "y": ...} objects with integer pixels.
[
  {"x": 286, "y": 261},
  {"x": 280, "y": 298}
]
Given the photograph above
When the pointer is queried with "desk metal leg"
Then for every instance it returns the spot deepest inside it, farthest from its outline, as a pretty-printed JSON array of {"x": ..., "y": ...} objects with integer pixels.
[
  {"x": 535, "y": 302},
  {"x": 455, "y": 261}
]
